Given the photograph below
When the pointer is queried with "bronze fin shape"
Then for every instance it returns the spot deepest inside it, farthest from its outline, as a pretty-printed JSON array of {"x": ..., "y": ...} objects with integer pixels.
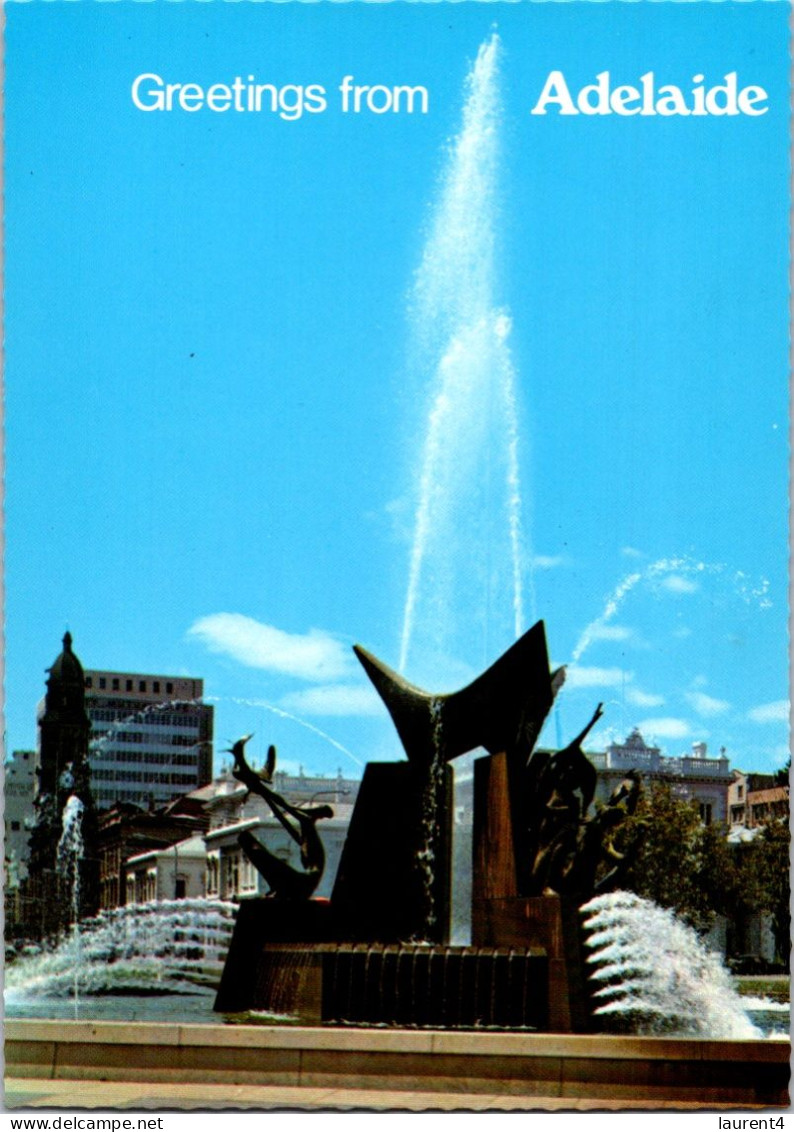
[{"x": 502, "y": 710}]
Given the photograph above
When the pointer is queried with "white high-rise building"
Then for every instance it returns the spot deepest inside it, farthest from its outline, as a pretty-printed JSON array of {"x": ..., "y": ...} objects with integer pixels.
[
  {"x": 19, "y": 790},
  {"x": 151, "y": 736}
]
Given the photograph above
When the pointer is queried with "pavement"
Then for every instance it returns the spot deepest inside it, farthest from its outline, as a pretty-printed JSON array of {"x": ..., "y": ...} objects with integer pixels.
[{"x": 27, "y": 1093}]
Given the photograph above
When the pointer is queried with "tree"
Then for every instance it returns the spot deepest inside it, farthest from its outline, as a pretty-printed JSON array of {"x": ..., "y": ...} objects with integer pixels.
[
  {"x": 680, "y": 863},
  {"x": 773, "y": 847}
]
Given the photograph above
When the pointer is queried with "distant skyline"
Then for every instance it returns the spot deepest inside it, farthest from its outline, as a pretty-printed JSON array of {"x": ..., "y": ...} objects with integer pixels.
[{"x": 216, "y": 407}]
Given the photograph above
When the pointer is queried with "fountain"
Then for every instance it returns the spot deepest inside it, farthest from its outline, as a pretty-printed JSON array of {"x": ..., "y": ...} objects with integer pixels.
[
  {"x": 379, "y": 952},
  {"x": 656, "y": 975},
  {"x": 380, "y": 948},
  {"x": 69, "y": 855},
  {"x": 141, "y": 950},
  {"x": 467, "y": 568}
]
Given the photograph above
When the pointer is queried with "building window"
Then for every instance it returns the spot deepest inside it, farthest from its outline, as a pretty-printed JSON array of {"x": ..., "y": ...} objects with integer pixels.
[
  {"x": 156, "y": 686},
  {"x": 102, "y": 682},
  {"x": 129, "y": 685},
  {"x": 15, "y": 825},
  {"x": 115, "y": 684},
  {"x": 169, "y": 688},
  {"x": 739, "y": 792},
  {"x": 89, "y": 682},
  {"x": 141, "y": 685},
  {"x": 212, "y": 876},
  {"x": 705, "y": 813}
]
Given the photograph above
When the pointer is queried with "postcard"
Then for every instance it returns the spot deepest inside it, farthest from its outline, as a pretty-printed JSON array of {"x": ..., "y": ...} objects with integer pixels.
[{"x": 396, "y": 497}]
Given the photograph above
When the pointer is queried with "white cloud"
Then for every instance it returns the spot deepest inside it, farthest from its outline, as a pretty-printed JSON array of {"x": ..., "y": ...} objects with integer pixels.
[
  {"x": 665, "y": 727},
  {"x": 677, "y": 584},
  {"x": 777, "y": 712},
  {"x": 586, "y": 676},
  {"x": 682, "y": 631},
  {"x": 706, "y": 705},
  {"x": 643, "y": 699},
  {"x": 315, "y": 655},
  {"x": 631, "y": 552},
  {"x": 548, "y": 561},
  {"x": 335, "y": 699}
]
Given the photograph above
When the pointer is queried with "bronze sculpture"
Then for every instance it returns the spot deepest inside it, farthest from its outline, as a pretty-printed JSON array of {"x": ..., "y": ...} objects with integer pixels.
[
  {"x": 380, "y": 950},
  {"x": 284, "y": 881}
]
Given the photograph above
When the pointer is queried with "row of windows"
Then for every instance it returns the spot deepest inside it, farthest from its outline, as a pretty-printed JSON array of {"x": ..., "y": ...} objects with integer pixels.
[
  {"x": 144, "y": 737},
  {"x": 139, "y": 794},
  {"x": 234, "y": 873},
  {"x": 129, "y": 685},
  {"x": 157, "y": 717},
  {"x": 98, "y": 758},
  {"x": 173, "y": 778}
]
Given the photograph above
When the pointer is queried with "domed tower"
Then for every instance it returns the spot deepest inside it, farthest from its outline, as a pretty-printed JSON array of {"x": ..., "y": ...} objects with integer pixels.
[
  {"x": 64, "y": 727},
  {"x": 63, "y": 771}
]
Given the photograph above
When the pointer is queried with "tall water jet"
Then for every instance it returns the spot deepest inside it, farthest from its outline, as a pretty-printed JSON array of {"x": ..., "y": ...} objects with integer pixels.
[
  {"x": 69, "y": 856},
  {"x": 465, "y": 599}
]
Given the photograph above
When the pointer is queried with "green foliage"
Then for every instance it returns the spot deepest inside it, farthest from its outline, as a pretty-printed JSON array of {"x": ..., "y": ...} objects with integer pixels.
[
  {"x": 673, "y": 864},
  {"x": 783, "y": 775},
  {"x": 774, "y": 847},
  {"x": 689, "y": 867}
]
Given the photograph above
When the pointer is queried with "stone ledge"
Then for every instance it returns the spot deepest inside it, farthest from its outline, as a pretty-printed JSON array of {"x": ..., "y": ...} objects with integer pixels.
[
  {"x": 608, "y": 1067},
  {"x": 469, "y": 1042}
]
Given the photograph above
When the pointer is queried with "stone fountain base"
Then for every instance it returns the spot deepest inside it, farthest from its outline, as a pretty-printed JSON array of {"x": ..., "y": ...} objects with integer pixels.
[
  {"x": 522, "y": 972},
  {"x": 612, "y": 1071}
]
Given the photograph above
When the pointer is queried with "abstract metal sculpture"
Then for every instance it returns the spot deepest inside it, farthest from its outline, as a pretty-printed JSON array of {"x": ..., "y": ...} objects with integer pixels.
[
  {"x": 502, "y": 710},
  {"x": 380, "y": 950},
  {"x": 285, "y": 882}
]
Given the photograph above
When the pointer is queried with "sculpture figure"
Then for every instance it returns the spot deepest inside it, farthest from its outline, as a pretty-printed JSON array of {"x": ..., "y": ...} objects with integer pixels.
[
  {"x": 285, "y": 882},
  {"x": 567, "y": 846}
]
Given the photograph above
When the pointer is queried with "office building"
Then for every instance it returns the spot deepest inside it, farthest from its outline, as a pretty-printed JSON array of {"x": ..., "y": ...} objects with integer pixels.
[{"x": 151, "y": 737}]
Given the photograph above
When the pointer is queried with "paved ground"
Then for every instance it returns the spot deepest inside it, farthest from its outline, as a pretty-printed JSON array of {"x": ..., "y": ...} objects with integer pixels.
[{"x": 28, "y": 1093}]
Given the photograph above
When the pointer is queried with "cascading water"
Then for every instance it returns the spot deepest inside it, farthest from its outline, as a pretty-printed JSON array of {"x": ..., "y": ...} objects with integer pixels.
[
  {"x": 465, "y": 598},
  {"x": 159, "y": 947},
  {"x": 655, "y": 974},
  {"x": 430, "y": 804}
]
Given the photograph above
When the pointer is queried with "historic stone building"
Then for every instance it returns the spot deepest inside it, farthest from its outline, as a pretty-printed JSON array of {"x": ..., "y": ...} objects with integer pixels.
[
  {"x": 127, "y": 830},
  {"x": 62, "y": 772},
  {"x": 754, "y": 799},
  {"x": 693, "y": 777},
  {"x": 19, "y": 792}
]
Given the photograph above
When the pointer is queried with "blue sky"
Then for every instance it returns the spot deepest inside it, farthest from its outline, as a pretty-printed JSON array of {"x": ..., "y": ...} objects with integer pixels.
[{"x": 215, "y": 409}]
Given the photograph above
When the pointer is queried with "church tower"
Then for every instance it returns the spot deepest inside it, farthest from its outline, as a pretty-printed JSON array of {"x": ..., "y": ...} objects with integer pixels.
[
  {"x": 64, "y": 727},
  {"x": 63, "y": 772}
]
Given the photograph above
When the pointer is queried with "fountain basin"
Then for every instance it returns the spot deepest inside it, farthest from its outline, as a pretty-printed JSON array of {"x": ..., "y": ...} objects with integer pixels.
[{"x": 600, "y": 1067}]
